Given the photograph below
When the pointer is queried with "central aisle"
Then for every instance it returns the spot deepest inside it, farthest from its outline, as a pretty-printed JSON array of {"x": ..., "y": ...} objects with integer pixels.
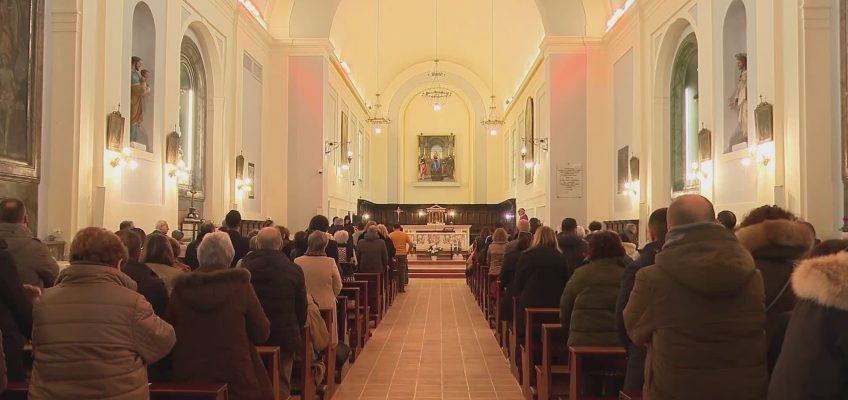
[{"x": 432, "y": 344}]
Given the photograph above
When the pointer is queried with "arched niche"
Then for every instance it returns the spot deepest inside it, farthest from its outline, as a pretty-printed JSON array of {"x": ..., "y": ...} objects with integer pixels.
[
  {"x": 684, "y": 114},
  {"x": 142, "y": 108},
  {"x": 735, "y": 83},
  {"x": 193, "y": 123}
]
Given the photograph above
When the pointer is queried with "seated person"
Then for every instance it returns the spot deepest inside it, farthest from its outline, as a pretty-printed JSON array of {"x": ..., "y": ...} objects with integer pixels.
[
  {"x": 94, "y": 333},
  {"x": 220, "y": 321}
]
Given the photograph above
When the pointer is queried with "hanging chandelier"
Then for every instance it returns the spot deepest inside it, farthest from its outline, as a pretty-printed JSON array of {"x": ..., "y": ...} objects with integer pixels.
[
  {"x": 493, "y": 122},
  {"x": 436, "y": 94},
  {"x": 377, "y": 119}
]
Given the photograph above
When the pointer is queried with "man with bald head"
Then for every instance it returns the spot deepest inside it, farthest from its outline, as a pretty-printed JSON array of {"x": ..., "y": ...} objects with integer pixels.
[
  {"x": 700, "y": 311},
  {"x": 281, "y": 289}
]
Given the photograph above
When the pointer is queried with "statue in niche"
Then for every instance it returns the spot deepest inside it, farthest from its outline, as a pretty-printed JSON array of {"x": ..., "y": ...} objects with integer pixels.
[
  {"x": 739, "y": 102},
  {"x": 139, "y": 90}
]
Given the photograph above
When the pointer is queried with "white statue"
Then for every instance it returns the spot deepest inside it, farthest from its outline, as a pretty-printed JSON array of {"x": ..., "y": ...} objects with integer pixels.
[{"x": 739, "y": 102}]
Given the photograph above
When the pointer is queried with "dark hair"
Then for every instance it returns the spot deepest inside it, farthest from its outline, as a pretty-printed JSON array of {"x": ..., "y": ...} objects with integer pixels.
[
  {"x": 299, "y": 236},
  {"x": 12, "y": 210},
  {"x": 205, "y": 228},
  {"x": 319, "y": 223},
  {"x": 727, "y": 218},
  {"x": 97, "y": 245},
  {"x": 595, "y": 226},
  {"x": 760, "y": 214},
  {"x": 484, "y": 233},
  {"x": 126, "y": 225},
  {"x": 397, "y": 227},
  {"x": 829, "y": 247},
  {"x": 535, "y": 223},
  {"x": 569, "y": 225},
  {"x": 360, "y": 226},
  {"x": 233, "y": 219},
  {"x": 605, "y": 244},
  {"x": 142, "y": 237},
  {"x": 158, "y": 250},
  {"x": 658, "y": 224},
  {"x": 525, "y": 239},
  {"x": 132, "y": 242},
  {"x": 346, "y": 219},
  {"x": 134, "y": 59}
]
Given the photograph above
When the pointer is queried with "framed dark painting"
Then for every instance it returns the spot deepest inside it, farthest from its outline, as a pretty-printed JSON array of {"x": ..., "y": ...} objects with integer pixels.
[
  {"x": 21, "y": 48},
  {"x": 529, "y": 141},
  {"x": 705, "y": 145},
  {"x": 623, "y": 175},
  {"x": 344, "y": 140},
  {"x": 764, "y": 120},
  {"x": 115, "y": 131}
]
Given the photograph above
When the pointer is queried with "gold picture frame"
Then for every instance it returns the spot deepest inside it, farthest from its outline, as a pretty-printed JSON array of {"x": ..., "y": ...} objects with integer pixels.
[{"x": 115, "y": 131}]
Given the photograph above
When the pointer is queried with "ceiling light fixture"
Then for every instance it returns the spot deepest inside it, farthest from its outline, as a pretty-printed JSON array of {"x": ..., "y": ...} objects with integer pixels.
[
  {"x": 377, "y": 119},
  {"x": 492, "y": 122},
  {"x": 436, "y": 94}
]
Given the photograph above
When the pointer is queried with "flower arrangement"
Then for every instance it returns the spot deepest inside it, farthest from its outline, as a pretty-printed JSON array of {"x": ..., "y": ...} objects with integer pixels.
[
  {"x": 844, "y": 225},
  {"x": 434, "y": 250}
]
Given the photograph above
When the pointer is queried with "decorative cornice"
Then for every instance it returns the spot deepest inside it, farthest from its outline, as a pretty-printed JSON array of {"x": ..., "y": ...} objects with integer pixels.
[
  {"x": 303, "y": 47},
  {"x": 252, "y": 28},
  {"x": 66, "y": 21},
  {"x": 570, "y": 45},
  {"x": 524, "y": 83},
  {"x": 349, "y": 83}
]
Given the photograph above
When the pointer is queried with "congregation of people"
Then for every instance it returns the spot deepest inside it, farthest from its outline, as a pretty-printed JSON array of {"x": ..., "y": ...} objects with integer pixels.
[
  {"x": 133, "y": 308},
  {"x": 705, "y": 309}
]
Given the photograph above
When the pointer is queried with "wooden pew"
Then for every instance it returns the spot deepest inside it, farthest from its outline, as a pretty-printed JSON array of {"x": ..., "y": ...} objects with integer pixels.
[
  {"x": 630, "y": 395},
  {"x": 495, "y": 308},
  {"x": 514, "y": 348},
  {"x": 354, "y": 318},
  {"x": 364, "y": 310},
  {"x": 375, "y": 294},
  {"x": 158, "y": 391},
  {"x": 303, "y": 383},
  {"x": 484, "y": 289},
  {"x": 329, "y": 357},
  {"x": 594, "y": 361},
  {"x": 554, "y": 363},
  {"x": 270, "y": 356},
  {"x": 531, "y": 350}
]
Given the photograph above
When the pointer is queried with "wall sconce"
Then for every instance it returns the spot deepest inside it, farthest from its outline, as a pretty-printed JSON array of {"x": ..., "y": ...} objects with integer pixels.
[
  {"x": 366, "y": 216},
  {"x": 178, "y": 171},
  {"x": 540, "y": 143},
  {"x": 757, "y": 154},
  {"x": 331, "y": 146},
  {"x": 123, "y": 159},
  {"x": 632, "y": 189},
  {"x": 699, "y": 171},
  {"x": 243, "y": 184}
]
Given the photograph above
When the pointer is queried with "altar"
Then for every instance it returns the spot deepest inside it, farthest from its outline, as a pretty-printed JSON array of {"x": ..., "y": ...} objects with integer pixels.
[{"x": 445, "y": 236}]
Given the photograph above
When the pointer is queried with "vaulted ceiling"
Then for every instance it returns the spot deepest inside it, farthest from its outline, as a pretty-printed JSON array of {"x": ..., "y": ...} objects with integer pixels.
[{"x": 406, "y": 32}]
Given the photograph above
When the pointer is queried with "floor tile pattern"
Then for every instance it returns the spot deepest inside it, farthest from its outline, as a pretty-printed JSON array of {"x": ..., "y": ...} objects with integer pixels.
[{"x": 432, "y": 344}]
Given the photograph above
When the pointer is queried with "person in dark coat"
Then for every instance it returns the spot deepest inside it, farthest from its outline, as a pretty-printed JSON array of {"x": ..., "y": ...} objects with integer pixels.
[
  {"x": 281, "y": 289},
  {"x": 317, "y": 223},
  {"x": 573, "y": 247},
  {"x": 149, "y": 284},
  {"x": 191, "y": 250},
  {"x": 219, "y": 322},
  {"x": 510, "y": 266},
  {"x": 587, "y": 307},
  {"x": 371, "y": 252},
  {"x": 241, "y": 244},
  {"x": 700, "y": 311},
  {"x": 813, "y": 363},
  {"x": 777, "y": 241},
  {"x": 15, "y": 316},
  {"x": 634, "y": 378},
  {"x": 541, "y": 276}
]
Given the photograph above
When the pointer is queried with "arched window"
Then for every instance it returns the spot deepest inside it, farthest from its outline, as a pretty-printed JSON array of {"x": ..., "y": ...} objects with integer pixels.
[
  {"x": 685, "y": 121},
  {"x": 192, "y": 120}
]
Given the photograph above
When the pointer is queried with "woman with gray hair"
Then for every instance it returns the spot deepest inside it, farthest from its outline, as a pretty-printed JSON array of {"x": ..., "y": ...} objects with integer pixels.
[
  {"x": 220, "y": 321},
  {"x": 323, "y": 280}
]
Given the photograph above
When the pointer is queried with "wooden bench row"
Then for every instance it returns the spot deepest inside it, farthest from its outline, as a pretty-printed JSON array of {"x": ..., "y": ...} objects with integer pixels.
[{"x": 542, "y": 362}]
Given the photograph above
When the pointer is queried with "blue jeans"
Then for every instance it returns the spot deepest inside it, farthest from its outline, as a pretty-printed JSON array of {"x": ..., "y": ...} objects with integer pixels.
[{"x": 403, "y": 268}]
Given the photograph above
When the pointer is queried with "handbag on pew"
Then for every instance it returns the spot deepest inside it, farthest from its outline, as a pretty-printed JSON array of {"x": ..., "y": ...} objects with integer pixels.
[{"x": 317, "y": 328}]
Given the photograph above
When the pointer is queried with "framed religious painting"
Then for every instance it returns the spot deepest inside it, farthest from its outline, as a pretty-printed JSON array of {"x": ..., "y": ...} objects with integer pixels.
[
  {"x": 344, "y": 141},
  {"x": 705, "y": 145},
  {"x": 623, "y": 175},
  {"x": 21, "y": 57},
  {"x": 251, "y": 174},
  {"x": 764, "y": 120},
  {"x": 436, "y": 158},
  {"x": 115, "y": 131},
  {"x": 529, "y": 141}
]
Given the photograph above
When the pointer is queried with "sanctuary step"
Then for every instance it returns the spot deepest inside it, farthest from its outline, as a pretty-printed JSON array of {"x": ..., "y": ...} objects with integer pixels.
[{"x": 445, "y": 269}]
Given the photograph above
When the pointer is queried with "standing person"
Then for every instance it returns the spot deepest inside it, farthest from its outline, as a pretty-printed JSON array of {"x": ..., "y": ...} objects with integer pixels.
[
  {"x": 813, "y": 363},
  {"x": 149, "y": 284},
  {"x": 390, "y": 246},
  {"x": 371, "y": 252},
  {"x": 158, "y": 255},
  {"x": 535, "y": 223},
  {"x": 241, "y": 245},
  {"x": 777, "y": 241},
  {"x": 402, "y": 244},
  {"x": 35, "y": 265},
  {"x": 337, "y": 226},
  {"x": 219, "y": 322},
  {"x": 727, "y": 219},
  {"x": 594, "y": 226},
  {"x": 93, "y": 333},
  {"x": 495, "y": 253},
  {"x": 587, "y": 306},
  {"x": 634, "y": 377},
  {"x": 630, "y": 234},
  {"x": 705, "y": 297},
  {"x": 126, "y": 225},
  {"x": 508, "y": 270},
  {"x": 522, "y": 215},
  {"x": 161, "y": 228},
  {"x": 191, "y": 249},
  {"x": 281, "y": 289},
  {"x": 346, "y": 253},
  {"x": 520, "y": 226},
  {"x": 572, "y": 245},
  {"x": 15, "y": 316},
  {"x": 360, "y": 230},
  {"x": 318, "y": 223},
  {"x": 479, "y": 247},
  {"x": 323, "y": 281},
  {"x": 541, "y": 276}
]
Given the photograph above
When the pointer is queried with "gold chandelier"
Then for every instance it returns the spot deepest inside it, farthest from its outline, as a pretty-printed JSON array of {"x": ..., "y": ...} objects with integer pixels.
[
  {"x": 493, "y": 122},
  {"x": 437, "y": 94},
  {"x": 377, "y": 119}
]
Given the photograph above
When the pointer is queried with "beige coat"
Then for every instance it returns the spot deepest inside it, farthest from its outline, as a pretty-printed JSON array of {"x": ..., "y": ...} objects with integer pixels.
[
  {"x": 93, "y": 336},
  {"x": 35, "y": 264},
  {"x": 323, "y": 282}
]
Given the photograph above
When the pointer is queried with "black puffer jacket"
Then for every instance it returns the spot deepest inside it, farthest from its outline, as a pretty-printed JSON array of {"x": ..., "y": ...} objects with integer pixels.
[
  {"x": 574, "y": 249},
  {"x": 281, "y": 289},
  {"x": 15, "y": 315},
  {"x": 539, "y": 282},
  {"x": 149, "y": 284}
]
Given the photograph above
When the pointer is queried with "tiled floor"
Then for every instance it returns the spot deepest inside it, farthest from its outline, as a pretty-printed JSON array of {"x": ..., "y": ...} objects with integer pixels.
[{"x": 432, "y": 344}]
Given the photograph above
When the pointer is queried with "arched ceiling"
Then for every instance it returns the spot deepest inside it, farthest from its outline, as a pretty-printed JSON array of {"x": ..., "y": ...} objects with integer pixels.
[{"x": 407, "y": 33}]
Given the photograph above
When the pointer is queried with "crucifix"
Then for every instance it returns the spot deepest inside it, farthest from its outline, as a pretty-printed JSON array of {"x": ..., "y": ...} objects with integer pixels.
[{"x": 398, "y": 211}]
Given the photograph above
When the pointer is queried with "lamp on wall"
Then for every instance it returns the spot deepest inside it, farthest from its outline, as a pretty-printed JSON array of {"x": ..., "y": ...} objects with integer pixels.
[
  {"x": 542, "y": 144},
  {"x": 633, "y": 186},
  {"x": 757, "y": 154},
  {"x": 243, "y": 183},
  {"x": 331, "y": 146},
  {"x": 123, "y": 159}
]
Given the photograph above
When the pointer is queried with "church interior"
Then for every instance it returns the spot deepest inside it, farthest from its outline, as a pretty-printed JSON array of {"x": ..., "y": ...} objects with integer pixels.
[{"x": 448, "y": 121}]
